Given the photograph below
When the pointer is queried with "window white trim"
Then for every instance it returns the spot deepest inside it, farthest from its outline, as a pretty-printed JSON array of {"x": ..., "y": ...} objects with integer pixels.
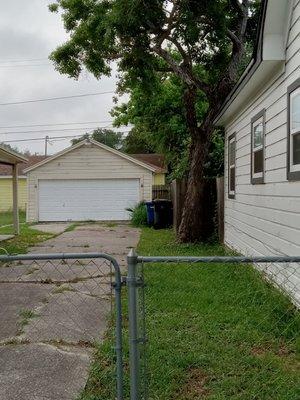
[
  {"x": 293, "y": 170},
  {"x": 257, "y": 148},
  {"x": 293, "y": 94},
  {"x": 231, "y": 166},
  {"x": 258, "y": 119}
]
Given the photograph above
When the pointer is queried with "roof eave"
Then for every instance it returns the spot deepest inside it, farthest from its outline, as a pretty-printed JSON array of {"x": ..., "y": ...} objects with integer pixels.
[
  {"x": 251, "y": 67},
  {"x": 11, "y": 157},
  {"x": 84, "y": 143},
  {"x": 268, "y": 61},
  {"x": 269, "y": 56}
]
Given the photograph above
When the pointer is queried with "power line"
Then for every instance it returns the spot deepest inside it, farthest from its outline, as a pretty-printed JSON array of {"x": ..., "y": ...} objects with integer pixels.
[
  {"x": 49, "y": 138},
  {"x": 40, "y": 139},
  {"x": 55, "y": 98},
  {"x": 23, "y": 60},
  {"x": 61, "y": 123},
  {"x": 55, "y": 130}
]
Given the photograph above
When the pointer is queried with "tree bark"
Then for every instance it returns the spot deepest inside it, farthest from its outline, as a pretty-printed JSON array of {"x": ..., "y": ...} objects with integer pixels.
[{"x": 192, "y": 227}]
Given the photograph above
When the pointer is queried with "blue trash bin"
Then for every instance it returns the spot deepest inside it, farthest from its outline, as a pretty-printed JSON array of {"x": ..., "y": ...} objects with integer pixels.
[{"x": 150, "y": 212}]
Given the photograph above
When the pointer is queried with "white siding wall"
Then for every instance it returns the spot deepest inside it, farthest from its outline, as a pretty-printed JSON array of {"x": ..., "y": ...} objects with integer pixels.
[
  {"x": 265, "y": 219},
  {"x": 86, "y": 162}
]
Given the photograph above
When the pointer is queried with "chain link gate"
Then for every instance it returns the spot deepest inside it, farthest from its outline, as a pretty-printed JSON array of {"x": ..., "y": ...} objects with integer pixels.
[
  {"x": 273, "y": 275},
  {"x": 55, "y": 311}
]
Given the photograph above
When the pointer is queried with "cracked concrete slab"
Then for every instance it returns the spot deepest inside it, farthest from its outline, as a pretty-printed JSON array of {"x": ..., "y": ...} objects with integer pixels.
[
  {"x": 67, "y": 302},
  {"x": 55, "y": 228},
  {"x": 93, "y": 238},
  {"x": 70, "y": 317},
  {"x": 5, "y": 237},
  {"x": 13, "y": 299},
  {"x": 42, "y": 372}
]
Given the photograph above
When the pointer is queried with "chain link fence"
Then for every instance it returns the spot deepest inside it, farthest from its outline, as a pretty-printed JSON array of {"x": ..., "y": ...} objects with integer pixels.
[
  {"x": 55, "y": 312},
  {"x": 214, "y": 327},
  {"x": 199, "y": 327}
]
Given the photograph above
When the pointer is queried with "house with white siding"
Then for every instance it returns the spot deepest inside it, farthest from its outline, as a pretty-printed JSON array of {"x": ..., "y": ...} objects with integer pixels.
[{"x": 261, "y": 117}]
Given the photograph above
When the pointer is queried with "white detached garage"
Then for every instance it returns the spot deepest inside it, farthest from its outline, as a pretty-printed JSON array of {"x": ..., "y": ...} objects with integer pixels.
[{"x": 88, "y": 181}]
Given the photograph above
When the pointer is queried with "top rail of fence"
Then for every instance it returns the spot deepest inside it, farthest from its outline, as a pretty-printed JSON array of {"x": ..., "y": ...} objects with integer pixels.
[
  {"x": 54, "y": 256},
  {"x": 220, "y": 259},
  {"x": 64, "y": 256}
]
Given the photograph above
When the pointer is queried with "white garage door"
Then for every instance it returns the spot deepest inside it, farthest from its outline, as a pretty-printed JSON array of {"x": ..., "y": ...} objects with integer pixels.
[{"x": 81, "y": 200}]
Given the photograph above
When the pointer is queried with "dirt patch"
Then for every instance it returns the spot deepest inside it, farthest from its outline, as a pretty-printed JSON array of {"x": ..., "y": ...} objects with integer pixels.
[
  {"x": 195, "y": 386},
  {"x": 259, "y": 351},
  {"x": 282, "y": 351}
]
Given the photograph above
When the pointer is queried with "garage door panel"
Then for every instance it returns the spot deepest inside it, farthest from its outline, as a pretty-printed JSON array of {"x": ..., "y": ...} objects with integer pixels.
[{"x": 93, "y": 199}]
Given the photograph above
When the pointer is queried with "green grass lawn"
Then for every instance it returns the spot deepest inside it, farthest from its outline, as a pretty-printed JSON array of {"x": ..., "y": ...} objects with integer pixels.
[
  {"x": 6, "y": 218},
  {"x": 215, "y": 331},
  {"x": 28, "y": 235},
  {"x": 19, "y": 244}
]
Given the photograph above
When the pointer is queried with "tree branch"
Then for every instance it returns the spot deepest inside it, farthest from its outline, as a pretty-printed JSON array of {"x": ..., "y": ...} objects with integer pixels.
[
  {"x": 185, "y": 75},
  {"x": 185, "y": 56},
  {"x": 232, "y": 36},
  {"x": 238, "y": 6},
  {"x": 230, "y": 76},
  {"x": 185, "y": 70}
]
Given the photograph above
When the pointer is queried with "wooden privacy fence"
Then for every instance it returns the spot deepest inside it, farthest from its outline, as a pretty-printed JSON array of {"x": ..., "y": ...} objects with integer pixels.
[
  {"x": 161, "y": 192},
  {"x": 212, "y": 204}
]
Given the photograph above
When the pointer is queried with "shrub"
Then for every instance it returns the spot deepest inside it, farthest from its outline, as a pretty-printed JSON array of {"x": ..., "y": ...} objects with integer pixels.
[{"x": 138, "y": 214}]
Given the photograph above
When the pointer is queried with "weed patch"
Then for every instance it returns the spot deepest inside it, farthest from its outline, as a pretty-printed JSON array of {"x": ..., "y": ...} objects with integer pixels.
[
  {"x": 25, "y": 316},
  {"x": 28, "y": 237}
]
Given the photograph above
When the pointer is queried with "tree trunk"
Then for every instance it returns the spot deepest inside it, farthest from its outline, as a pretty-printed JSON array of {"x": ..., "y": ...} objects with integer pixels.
[{"x": 192, "y": 227}]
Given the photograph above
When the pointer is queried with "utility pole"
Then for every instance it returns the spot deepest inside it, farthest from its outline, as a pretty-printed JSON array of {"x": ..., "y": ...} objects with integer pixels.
[{"x": 46, "y": 145}]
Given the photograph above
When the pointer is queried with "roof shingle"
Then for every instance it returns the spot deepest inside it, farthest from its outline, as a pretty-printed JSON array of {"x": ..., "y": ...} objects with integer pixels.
[
  {"x": 155, "y": 160},
  {"x": 6, "y": 170}
]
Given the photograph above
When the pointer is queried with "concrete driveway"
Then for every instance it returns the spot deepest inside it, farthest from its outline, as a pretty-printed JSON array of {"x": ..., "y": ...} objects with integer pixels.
[{"x": 53, "y": 312}]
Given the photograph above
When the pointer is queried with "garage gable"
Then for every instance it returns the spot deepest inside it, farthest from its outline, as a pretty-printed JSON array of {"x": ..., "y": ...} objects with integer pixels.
[
  {"x": 87, "y": 181},
  {"x": 89, "y": 149}
]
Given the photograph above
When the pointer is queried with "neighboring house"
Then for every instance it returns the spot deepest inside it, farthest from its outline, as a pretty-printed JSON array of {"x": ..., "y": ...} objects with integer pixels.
[
  {"x": 12, "y": 159},
  {"x": 158, "y": 161},
  {"x": 262, "y": 122},
  {"x": 88, "y": 181},
  {"x": 6, "y": 184}
]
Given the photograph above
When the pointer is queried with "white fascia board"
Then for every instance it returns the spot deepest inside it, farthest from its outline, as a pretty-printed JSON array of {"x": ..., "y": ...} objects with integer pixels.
[
  {"x": 266, "y": 72},
  {"x": 274, "y": 38},
  {"x": 274, "y": 47}
]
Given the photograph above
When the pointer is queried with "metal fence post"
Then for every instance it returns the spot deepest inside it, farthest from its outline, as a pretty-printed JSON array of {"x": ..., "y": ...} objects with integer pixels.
[
  {"x": 134, "y": 358},
  {"x": 119, "y": 339}
]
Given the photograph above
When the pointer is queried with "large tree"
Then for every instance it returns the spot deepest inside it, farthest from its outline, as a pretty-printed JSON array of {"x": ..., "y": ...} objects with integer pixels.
[
  {"x": 203, "y": 43},
  {"x": 158, "y": 118}
]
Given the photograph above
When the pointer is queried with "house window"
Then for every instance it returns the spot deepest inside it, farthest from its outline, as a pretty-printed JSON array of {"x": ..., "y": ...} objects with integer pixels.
[
  {"x": 294, "y": 131},
  {"x": 231, "y": 166},
  {"x": 258, "y": 148}
]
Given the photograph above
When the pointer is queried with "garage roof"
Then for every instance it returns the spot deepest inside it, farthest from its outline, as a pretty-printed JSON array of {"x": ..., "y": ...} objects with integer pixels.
[
  {"x": 10, "y": 157},
  {"x": 88, "y": 142},
  {"x": 5, "y": 170},
  {"x": 155, "y": 160}
]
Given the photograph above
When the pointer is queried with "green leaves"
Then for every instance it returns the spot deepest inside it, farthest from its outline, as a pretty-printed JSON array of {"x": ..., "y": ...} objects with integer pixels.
[
  {"x": 161, "y": 48},
  {"x": 106, "y": 136}
]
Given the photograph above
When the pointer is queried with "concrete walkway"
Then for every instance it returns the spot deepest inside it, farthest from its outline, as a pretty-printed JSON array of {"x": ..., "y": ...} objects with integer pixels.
[
  {"x": 53, "y": 312},
  {"x": 5, "y": 237}
]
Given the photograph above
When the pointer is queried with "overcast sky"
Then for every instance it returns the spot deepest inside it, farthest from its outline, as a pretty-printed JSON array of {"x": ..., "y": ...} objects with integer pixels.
[{"x": 28, "y": 31}]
